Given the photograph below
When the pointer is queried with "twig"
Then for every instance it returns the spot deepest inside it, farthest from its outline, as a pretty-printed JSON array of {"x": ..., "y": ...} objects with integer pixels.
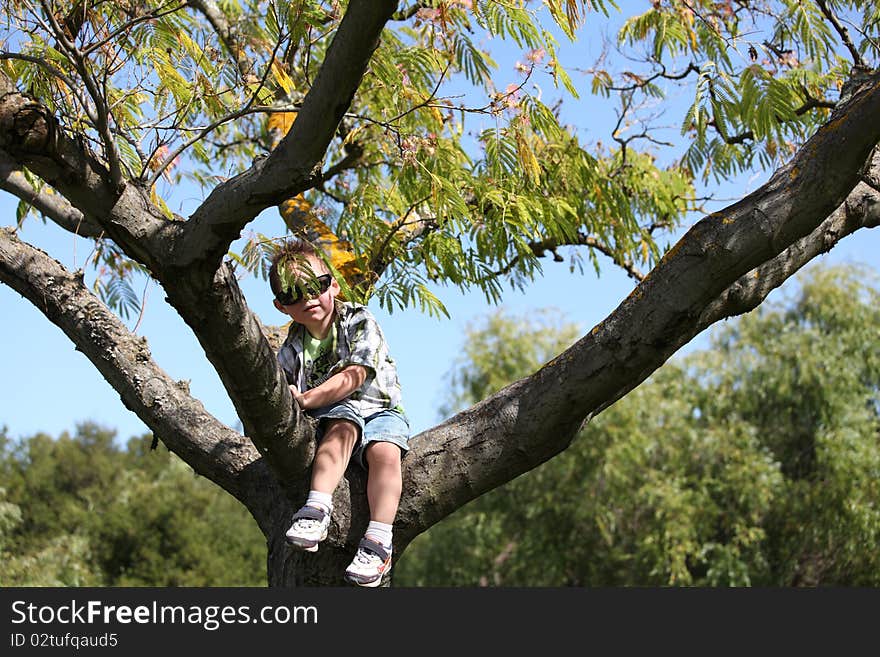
[
  {"x": 409, "y": 12},
  {"x": 102, "y": 122},
  {"x": 154, "y": 13},
  {"x": 143, "y": 306},
  {"x": 691, "y": 68},
  {"x": 539, "y": 248},
  {"x": 843, "y": 32}
]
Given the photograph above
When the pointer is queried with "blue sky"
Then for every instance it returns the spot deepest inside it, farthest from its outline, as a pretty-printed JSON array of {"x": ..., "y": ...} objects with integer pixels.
[{"x": 48, "y": 386}]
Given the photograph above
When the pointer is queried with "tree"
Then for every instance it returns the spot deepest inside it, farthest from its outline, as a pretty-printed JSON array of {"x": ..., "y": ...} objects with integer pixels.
[
  {"x": 81, "y": 511},
  {"x": 749, "y": 463},
  {"x": 339, "y": 113}
]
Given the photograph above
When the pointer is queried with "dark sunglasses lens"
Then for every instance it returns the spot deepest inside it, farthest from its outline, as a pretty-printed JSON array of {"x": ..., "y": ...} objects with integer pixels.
[
  {"x": 315, "y": 287},
  {"x": 288, "y": 297},
  {"x": 291, "y": 296}
]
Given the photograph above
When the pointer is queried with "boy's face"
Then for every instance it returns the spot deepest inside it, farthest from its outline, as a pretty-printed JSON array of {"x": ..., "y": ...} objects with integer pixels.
[{"x": 312, "y": 299}]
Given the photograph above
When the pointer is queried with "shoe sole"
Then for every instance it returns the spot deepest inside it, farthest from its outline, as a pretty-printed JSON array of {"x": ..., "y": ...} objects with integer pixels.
[
  {"x": 353, "y": 579},
  {"x": 308, "y": 546},
  {"x": 374, "y": 583}
]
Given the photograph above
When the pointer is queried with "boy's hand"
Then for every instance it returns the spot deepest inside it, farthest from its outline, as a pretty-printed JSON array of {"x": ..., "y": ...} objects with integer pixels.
[{"x": 298, "y": 396}]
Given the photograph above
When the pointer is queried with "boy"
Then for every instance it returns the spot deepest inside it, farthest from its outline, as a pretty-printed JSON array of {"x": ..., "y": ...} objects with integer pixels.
[{"x": 336, "y": 361}]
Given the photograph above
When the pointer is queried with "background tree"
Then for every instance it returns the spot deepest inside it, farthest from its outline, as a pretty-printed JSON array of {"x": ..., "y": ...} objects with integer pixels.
[
  {"x": 752, "y": 462},
  {"x": 105, "y": 107},
  {"x": 81, "y": 511}
]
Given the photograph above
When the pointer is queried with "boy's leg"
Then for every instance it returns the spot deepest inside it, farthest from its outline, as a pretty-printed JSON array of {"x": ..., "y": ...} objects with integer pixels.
[
  {"x": 384, "y": 481},
  {"x": 386, "y": 437},
  {"x": 311, "y": 522},
  {"x": 384, "y": 485},
  {"x": 333, "y": 454},
  {"x": 385, "y": 441}
]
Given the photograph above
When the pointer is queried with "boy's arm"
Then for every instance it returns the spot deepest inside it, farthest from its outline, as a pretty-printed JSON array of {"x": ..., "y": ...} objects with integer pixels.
[{"x": 337, "y": 387}]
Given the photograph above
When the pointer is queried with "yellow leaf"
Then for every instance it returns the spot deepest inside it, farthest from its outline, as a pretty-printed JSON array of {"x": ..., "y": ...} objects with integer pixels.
[
  {"x": 295, "y": 209},
  {"x": 281, "y": 77},
  {"x": 9, "y": 69},
  {"x": 350, "y": 137},
  {"x": 159, "y": 203},
  {"x": 573, "y": 14},
  {"x": 527, "y": 159},
  {"x": 281, "y": 122},
  {"x": 297, "y": 214}
]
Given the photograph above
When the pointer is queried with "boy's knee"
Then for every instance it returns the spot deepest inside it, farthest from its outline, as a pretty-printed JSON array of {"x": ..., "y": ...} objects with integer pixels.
[
  {"x": 383, "y": 454},
  {"x": 339, "y": 438},
  {"x": 341, "y": 427}
]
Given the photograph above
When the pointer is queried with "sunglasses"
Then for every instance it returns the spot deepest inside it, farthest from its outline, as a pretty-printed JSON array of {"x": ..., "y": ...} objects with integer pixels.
[{"x": 313, "y": 288}]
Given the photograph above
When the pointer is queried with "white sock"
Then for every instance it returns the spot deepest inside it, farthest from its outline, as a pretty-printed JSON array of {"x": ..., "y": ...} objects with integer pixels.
[
  {"x": 323, "y": 501},
  {"x": 380, "y": 532}
]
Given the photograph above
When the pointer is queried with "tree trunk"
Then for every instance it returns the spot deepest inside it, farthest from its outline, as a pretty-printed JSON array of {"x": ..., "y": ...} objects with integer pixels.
[{"x": 289, "y": 566}]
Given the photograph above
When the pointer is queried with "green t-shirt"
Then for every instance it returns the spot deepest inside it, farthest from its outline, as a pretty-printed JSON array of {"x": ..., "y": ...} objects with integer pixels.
[{"x": 319, "y": 357}]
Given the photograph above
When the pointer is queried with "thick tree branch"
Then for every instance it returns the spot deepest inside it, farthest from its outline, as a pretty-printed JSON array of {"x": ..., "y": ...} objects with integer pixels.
[
  {"x": 51, "y": 206},
  {"x": 212, "y": 304},
  {"x": 32, "y": 138},
  {"x": 532, "y": 420},
  {"x": 235, "y": 344},
  {"x": 123, "y": 359},
  {"x": 860, "y": 210},
  {"x": 294, "y": 165}
]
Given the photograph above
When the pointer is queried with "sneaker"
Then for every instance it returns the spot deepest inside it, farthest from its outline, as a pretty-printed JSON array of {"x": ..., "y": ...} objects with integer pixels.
[
  {"x": 309, "y": 528},
  {"x": 370, "y": 563}
]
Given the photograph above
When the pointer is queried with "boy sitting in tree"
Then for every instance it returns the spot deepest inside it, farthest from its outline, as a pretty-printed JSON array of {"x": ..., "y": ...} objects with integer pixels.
[{"x": 339, "y": 370}]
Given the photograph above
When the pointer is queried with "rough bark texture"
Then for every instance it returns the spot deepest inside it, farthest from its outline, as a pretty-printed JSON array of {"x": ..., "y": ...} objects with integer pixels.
[{"x": 726, "y": 264}]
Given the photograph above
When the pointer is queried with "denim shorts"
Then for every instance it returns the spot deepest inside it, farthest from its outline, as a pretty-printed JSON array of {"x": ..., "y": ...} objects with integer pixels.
[{"x": 390, "y": 426}]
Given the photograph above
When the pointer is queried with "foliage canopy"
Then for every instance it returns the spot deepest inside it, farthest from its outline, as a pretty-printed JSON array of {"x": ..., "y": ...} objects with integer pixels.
[
  {"x": 416, "y": 188},
  {"x": 753, "y": 462},
  {"x": 81, "y": 511}
]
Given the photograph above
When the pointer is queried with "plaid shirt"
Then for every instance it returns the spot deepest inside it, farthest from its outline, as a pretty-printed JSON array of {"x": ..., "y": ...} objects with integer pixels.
[{"x": 359, "y": 341}]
